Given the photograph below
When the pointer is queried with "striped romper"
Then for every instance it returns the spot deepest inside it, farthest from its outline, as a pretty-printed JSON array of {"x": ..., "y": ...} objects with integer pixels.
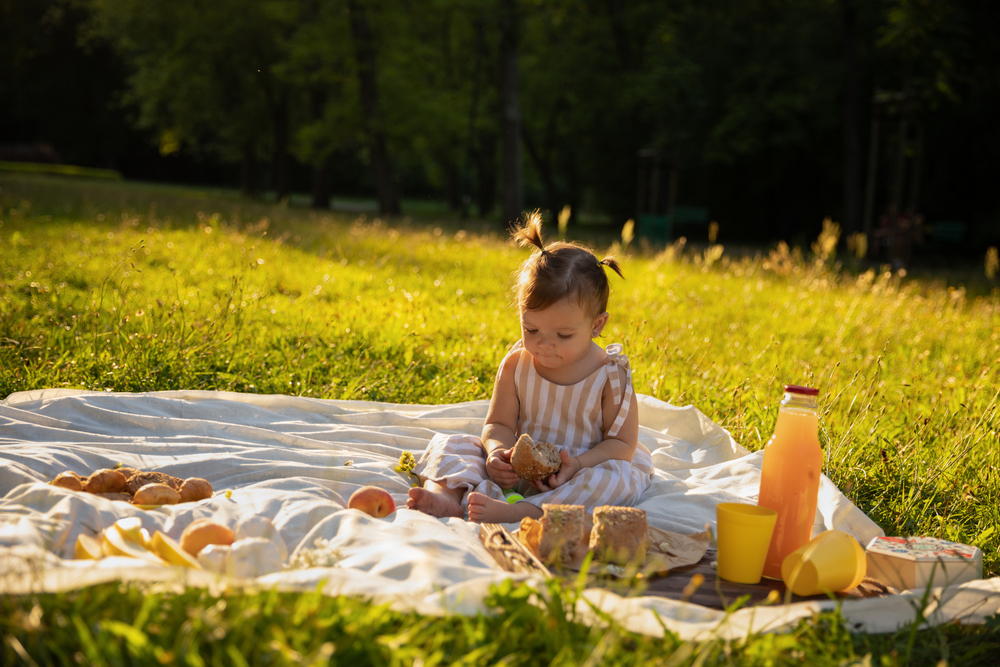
[{"x": 568, "y": 416}]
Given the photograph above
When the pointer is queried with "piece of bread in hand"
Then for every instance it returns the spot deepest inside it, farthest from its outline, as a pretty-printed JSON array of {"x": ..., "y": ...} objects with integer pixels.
[
  {"x": 533, "y": 461},
  {"x": 562, "y": 532},
  {"x": 619, "y": 534}
]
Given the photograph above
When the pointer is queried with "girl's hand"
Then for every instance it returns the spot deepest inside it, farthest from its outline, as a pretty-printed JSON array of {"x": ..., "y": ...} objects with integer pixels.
[
  {"x": 499, "y": 469},
  {"x": 570, "y": 466}
]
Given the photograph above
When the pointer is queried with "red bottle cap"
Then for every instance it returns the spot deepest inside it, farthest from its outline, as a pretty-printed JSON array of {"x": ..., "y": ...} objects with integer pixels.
[{"x": 804, "y": 391}]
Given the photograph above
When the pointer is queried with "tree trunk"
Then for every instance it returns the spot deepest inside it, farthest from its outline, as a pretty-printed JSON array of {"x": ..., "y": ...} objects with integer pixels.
[
  {"x": 486, "y": 171},
  {"x": 281, "y": 147},
  {"x": 869, "y": 210},
  {"x": 544, "y": 170},
  {"x": 247, "y": 186},
  {"x": 364, "y": 52},
  {"x": 575, "y": 187},
  {"x": 510, "y": 122},
  {"x": 454, "y": 185},
  {"x": 623, "y": 45},
  {"x": 473, "y": 155},
  {"x": 852, "y": 137},
  {"x": 321, "y": 186}
]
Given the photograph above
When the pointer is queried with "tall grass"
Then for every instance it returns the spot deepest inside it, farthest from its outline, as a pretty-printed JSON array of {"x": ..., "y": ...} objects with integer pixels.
[
  {"x": 130, "y": 625},
  {"x": 134, "y": 288}
]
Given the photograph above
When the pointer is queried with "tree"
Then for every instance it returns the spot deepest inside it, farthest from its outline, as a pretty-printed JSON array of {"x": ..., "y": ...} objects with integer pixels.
[
  {"x": 365, "y": 54},
  {"x": 513, "y": 180},
  {"x": 852, "y": 134},
  {"x": 319, "y": 70},
  {"x": 202, "y": 75},
  {"x": 430, "y": 69}
]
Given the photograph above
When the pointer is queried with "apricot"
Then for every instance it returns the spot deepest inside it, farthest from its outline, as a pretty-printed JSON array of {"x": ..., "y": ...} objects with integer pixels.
[{"x": 202, "y": 532}]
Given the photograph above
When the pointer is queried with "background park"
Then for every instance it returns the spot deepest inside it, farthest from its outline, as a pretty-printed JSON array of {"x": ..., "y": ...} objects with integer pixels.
[{"x": 311, "y": 198}]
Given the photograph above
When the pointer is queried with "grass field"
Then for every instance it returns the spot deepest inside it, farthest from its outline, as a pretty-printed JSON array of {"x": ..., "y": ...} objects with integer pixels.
[{"x": 127, "y": 287}]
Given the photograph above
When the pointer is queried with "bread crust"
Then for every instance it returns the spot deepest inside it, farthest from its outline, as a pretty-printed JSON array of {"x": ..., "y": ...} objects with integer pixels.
[
  {"x": 128, "y": 472},
  {"x": 105, "y": 481},
  {"x": 562, "y": 532},
  {"x": 141, "y": 479},
  {"x": 68, "y": 480},
  {"x": 116, "y": 495},
  {"x": 156, "y": 494},
  {"x": 195, "y": 488},
  {"x": 619, "y": 534},
  {"x": 533, "y": 461}
]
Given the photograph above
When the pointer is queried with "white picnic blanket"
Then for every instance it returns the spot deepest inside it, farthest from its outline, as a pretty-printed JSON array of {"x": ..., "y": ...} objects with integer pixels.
[{"x": 295, "y": 460}]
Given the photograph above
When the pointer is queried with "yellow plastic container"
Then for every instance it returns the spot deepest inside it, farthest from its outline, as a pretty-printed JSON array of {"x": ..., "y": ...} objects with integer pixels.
[
  {"x": 743, "y": 534},
  {"x": 833, "y": 561}
]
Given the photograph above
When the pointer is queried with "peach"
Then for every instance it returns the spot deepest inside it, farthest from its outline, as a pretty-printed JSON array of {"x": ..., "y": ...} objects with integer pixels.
[
  {"x": 373, "y": 501},
  {"x": 199, "y": 534}
]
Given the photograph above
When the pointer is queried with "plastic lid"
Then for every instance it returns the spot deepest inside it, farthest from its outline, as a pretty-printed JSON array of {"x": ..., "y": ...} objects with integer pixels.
[{"x": 803, "y": 391}]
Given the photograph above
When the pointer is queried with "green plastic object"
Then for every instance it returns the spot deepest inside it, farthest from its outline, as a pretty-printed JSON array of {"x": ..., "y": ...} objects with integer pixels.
[{"x": 512, "y": 496}]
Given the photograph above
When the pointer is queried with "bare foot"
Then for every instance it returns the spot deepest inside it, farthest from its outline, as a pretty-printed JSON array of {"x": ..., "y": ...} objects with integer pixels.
[
  {"x": 484, "y": 509},
  {"x": 435, "y": 504}
]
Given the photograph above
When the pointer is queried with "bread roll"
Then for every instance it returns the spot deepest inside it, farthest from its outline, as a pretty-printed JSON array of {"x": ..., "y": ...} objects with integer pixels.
[
  {"x": 156, "y": 494},
  {"x": 619, "y": 534},
  {"x": 533, "y": 461},
  {"x": 195, "y": 488},
  {"x": 68, "y": 480},
  {"x": 127, "y": 471},
  {"x": 105, "y": 481},
  {"x": 562, "y": 532}
]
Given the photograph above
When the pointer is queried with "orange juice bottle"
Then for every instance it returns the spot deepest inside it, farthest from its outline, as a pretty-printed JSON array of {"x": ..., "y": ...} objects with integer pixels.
[{"x": 789, "y": 479}]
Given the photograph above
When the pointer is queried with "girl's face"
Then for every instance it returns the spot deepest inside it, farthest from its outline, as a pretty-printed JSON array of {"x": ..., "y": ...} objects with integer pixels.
[{"x": 559, "y": 335}]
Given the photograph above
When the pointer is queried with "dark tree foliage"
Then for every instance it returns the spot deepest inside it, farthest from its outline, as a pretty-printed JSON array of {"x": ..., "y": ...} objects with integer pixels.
[{"x": 760, "y": 111}]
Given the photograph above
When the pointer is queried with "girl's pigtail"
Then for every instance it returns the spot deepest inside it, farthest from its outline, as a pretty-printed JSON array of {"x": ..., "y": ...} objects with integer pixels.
[
  {"x": 611, "y": 263},
  {"x": 530, "y": 233}
]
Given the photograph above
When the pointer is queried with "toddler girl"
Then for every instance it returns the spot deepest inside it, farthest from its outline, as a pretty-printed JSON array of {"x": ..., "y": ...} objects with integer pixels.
[{"x": 556, "y": 385}]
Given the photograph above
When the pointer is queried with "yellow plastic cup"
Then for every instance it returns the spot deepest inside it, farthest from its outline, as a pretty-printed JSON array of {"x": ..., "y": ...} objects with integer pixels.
[
  {"x": 832, "y": 561},
  {"x": 744, "y": 535}
]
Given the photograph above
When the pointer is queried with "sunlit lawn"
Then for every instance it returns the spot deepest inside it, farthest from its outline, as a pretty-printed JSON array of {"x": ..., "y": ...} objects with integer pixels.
[{"x": 126, "y": 287}]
